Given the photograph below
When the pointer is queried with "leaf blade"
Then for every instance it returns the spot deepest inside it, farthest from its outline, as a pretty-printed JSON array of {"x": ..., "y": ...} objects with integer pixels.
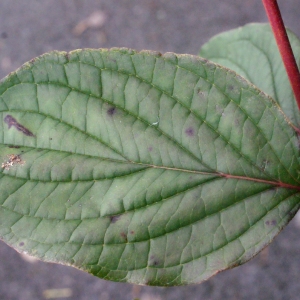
[{"x": 129, "y": 163}]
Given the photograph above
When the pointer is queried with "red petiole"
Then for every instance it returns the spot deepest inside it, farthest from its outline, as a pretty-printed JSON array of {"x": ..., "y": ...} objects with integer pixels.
[{"x": 284, "y": 46}]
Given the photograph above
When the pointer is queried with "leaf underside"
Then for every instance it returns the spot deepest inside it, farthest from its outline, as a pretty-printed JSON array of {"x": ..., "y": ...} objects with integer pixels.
[{"x": 138, "y": 167}]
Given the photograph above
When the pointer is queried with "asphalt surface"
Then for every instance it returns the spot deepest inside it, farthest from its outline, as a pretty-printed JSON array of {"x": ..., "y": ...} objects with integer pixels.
[{"x": 33, "y": 27}]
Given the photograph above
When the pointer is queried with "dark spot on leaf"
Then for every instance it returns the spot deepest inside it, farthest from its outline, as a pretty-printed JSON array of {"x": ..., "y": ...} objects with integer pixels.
[
  {"x": 32, "y": 61},
  {"x": 271, "y": 222},
  {"x": 12, "y": 146},
  {"x": 131, "y": 232},
  {"x": 111, "y": 111},
  {"x": 236, "y": 122},
  {"x": 11, "y": 121},
  {"x": 124, "y": 236},
  {"x": 230, "y": 87},
  {"x": 190, "y": 131},
  {"x": 150, "y": 149},
  {"x": 114, "y": 219},
  {"x": 153, "y": 260},
  {"x": 21, "y": 244},
  {"x": 50, "y": 139},
  {"x": 67, "y": 56},
  {"x": 200, "y": 93},
  {"x": 4, "y": 35}
]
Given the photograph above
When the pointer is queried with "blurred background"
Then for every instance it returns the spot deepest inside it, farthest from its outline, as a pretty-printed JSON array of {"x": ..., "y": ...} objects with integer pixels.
[{"x": 33, "y": 27}]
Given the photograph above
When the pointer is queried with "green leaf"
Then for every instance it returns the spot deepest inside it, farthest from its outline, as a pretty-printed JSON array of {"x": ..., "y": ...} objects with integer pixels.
[
  {"x": 137, "y": 167},
  {"x": 252, "y": 52}
]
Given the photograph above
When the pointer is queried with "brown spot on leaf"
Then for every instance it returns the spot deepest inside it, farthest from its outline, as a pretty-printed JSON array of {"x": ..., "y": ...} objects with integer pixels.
[
  {"x": 114, "y": 219},
  {"x": 13, "y": 146},
  {"x": 200, "y": 93},
  {"x": 150, "y": 149},
  {"x": 190, "y": 131},
  {"x": 131, "y": 232},
  {"x": 12, "y": 161},
  {"x": 111, "y": 111},
  {"x": 21, "y": 244},
  {"x": 11, "y": 121},
  {"x": 124, "y": 236}
]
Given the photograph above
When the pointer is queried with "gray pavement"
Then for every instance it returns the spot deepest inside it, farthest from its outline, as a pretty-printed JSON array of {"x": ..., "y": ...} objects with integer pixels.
[{"x": 30, "y": 28}]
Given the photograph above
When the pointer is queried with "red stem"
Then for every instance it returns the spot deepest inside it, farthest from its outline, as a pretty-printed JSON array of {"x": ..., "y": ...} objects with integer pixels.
[{"x": 284, "y": 46}]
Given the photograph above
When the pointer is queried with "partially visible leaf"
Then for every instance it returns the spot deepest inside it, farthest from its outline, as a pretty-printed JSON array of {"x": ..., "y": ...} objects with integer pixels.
[
  {"x": 252, "y": 52},
  {"x": 137, "y": 167}
]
